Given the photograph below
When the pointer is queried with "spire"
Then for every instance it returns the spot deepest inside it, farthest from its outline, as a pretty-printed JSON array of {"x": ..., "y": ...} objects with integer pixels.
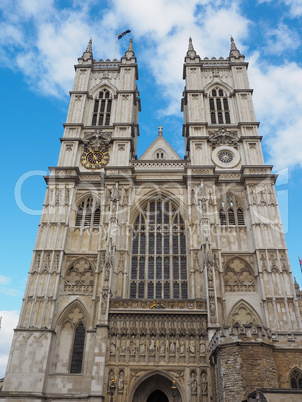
[
  {"x": 191, "y": 51},
  {"x": 234, "y": 52},
  {"x": 89, "y": 46},
  {"x": 88, "y": 52},
  {"x": 130, "y": 52}
]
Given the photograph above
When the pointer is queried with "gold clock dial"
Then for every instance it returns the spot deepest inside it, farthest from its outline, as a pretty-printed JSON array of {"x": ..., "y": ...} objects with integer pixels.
[{"x": 95, "y": 157}]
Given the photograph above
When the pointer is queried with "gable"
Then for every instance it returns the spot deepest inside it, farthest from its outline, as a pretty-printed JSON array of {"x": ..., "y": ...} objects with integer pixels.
[{"x": 160, "y": 149}]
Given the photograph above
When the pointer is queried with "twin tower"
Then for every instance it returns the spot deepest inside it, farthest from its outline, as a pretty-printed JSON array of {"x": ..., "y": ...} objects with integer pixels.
[{"x": 159, "y": 278}]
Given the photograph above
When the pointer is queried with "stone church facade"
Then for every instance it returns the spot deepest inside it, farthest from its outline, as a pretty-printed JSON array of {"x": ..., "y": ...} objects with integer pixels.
[{"x": 159, "y": 271}]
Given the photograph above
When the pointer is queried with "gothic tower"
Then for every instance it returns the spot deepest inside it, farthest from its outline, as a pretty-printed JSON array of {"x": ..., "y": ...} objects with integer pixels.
[{"x": 158, "y": 278}]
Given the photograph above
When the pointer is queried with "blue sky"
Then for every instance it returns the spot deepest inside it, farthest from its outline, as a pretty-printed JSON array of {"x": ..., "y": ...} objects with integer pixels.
[{"x": 41, "y": 41}]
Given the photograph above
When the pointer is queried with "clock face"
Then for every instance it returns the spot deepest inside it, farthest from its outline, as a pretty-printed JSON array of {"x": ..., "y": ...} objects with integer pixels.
[{"x": 95, "y": 157}]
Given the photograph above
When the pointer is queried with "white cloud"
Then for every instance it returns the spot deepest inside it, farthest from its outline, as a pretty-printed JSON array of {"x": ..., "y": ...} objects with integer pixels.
[
  {"x": 35, "y": 8},
  {"x": 295, "y": 6},
  {"x": 282, "y": 39},
  {"x": 9, "y": 322},
  {"x": 278, "y": 104},
  {"x": 4, "y": 280},
  {"x": 58, "y": 37}
]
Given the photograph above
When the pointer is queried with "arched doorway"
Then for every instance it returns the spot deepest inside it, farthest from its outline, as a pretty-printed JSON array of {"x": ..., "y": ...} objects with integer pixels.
[
  {"x": 158, "y": 396},
  {"x": 155, "y": 388}
]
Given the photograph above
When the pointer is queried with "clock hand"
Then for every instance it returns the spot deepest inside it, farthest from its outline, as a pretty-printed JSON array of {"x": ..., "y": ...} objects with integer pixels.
[{"x": 94, "y": 157}]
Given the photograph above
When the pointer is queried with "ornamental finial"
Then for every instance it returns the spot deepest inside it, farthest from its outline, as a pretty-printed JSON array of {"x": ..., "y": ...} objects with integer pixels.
[
  {"x": 160, "y": 130},
  {"x": 234, "y": 52},
  {"x": 191, "y": 51},
  {"x": 130, "y": 52},
  {"x": 88, "y": 52}
]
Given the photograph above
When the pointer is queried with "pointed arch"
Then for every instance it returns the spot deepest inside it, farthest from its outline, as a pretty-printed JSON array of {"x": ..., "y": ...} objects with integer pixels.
[
  {"x": 156, "y": 193},
  {"x": 231, "y": 209},
  {"x": 88, "y": 210},
  {"x": 295, "y": 378},
  {"x": 102, "y": 107},
  {"x": 219, "y": 94},
  {"x": 217, "y": 83},
  {"x": 94, "y": 91},
  {"x": 159, "y": 244},
  {"x": 78, "y": 348},
  {"x": 243, "y": 313},
  {"x": 156, "y": 380},
  {"x": 71, "y": 330},
  {"x": 73, "y": 313}
]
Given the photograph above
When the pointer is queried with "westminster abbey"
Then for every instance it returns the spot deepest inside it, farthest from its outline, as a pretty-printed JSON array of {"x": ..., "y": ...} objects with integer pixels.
[{"x": 159, "y": 278}]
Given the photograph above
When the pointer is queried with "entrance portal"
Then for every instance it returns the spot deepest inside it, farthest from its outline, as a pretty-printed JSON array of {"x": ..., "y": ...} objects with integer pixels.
[
  {"x": 157, "y": 396},
  {"x": 156, "y": 388}
]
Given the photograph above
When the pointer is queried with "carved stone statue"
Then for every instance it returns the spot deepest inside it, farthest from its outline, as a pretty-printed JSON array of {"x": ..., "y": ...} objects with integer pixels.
[
  {"x": 204, "y": 383},
  {"x": 172, "y": 345},
  {"x": 113, "y": 346},
  {"x": 210, "y": 277},
  {"x": 121, "y": 381},
  {"x": 192, "y": 346},
  {"x": 182, "y": 347},
  {"x": 162, "y": 348},
  {"x": 123, "y": 345},
  {"x": 132, "y": 346},
  {"x": 142, "y": 345},
  {"x": 193, "y": 383},
  {"x": 152, "y": 344}
]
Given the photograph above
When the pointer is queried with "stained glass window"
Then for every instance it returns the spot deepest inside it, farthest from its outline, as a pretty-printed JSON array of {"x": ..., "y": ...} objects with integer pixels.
[
  {"x": 78, "y": 349},
  {"x": 159, "y": 261}
]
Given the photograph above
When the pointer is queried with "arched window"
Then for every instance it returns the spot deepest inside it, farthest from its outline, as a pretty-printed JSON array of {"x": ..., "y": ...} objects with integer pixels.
[
  {"x": 159, "y": 260},
  {"x": 240, "y": 217},
  {"x": 88, "y": 213},
  {"x": 231, "y": 217},
  {"x": 222, "y": 217},
  {"x": 102, "y": 109},
  {"x": 219, "y": 107},
  {"x": 159, "y": 154},
  {"x": 296, "y": 379},
  {"x": 232, "y": 214},
  {"x": 78, "y": 349}
]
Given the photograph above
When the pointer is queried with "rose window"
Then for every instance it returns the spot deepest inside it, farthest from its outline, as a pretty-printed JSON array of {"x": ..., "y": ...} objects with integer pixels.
[{"x": 225, "y": 157}]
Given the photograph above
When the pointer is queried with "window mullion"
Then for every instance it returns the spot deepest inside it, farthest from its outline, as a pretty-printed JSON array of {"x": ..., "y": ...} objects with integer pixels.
[{"x": 147, "y": 232}]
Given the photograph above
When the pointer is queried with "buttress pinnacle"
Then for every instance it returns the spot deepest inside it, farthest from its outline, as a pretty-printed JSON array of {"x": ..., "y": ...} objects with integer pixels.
[
  {"x": 130, "y": 53},
  {"x": 234, "y": 52},
  {"x": 88, "y": 52},
  {"x": 191, "y": 51}
]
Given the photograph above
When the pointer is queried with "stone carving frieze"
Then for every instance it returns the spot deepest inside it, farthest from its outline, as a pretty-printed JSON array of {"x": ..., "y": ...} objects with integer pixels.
[
  {"x": 97, "y": 138},
  {"x": 162, "y": 304},
  {"x": 168, "y": 339},
  {"x": 223, "y": 136}
]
